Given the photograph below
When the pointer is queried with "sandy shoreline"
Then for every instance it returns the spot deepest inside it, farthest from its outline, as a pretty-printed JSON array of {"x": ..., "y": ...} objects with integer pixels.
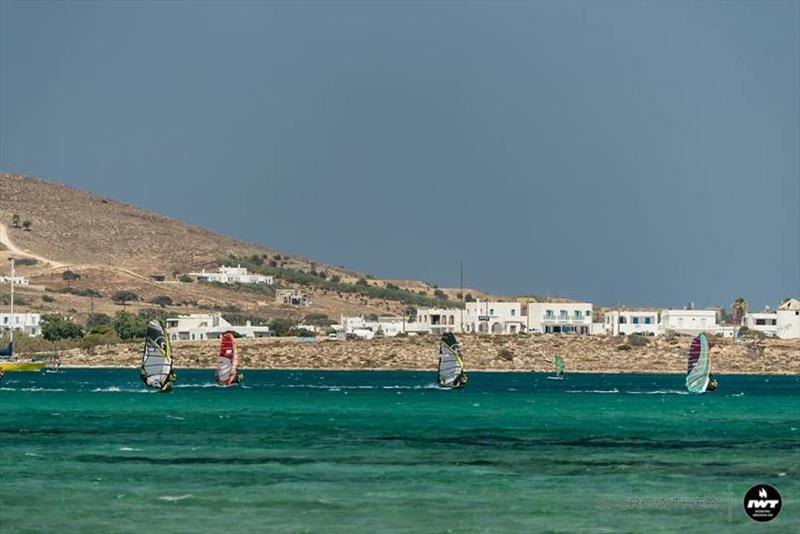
[{"x": 583, "y": 354}]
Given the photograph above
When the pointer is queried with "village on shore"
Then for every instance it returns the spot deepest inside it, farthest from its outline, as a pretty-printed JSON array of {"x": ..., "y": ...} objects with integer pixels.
[{"x": 533, "y": 332}]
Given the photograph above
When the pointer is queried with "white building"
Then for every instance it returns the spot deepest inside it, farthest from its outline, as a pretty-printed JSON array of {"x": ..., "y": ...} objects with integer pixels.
[
  {"x": 560, "y": 317},
  {"x": 200, "y": 326},
  {"x": 389, "y": 326},
  {"x": 691, "y": 322},
  {"x": 627, "y": 322},
  {"x": 18, "y": 280},
  {"x": 26, "y": 322},
  {"x": 788, "y": 320},
  {"x": 234, "y": 275},
  {"x": 765, "y": 322},
  {"x": 440, "y": 320},
  {"x": 494, "y": 317}
]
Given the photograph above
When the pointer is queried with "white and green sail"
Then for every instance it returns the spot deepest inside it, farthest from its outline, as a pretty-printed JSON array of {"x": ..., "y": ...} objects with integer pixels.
[
  {"x": 699, "y": 365},
  {"x": 558, "y": 363}
]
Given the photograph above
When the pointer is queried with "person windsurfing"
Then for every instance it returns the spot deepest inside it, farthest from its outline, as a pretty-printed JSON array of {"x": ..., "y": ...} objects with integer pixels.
[
  {"x": 156, "y": 371},
  {"x": 698, "y": 370},
  {"x": 451, "y": 366},
  {"x": 227, "y": 372}
]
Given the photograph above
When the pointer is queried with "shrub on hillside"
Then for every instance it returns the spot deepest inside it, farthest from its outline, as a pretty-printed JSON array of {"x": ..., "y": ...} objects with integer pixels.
[
  {"x": 162, "y": 300},
  {"x": 129, "y": 326},
  {"x": 282, "y": 327},
  {"x": 122, "y": 297},
  {"x": 47, "y": 298},
  {"x": 70, "y": 275},
  {"x": 86, "y": 292},
  {"x": 26, "y": 261},
  {"x": 55, "y": 327},
  {"x": 186, "y": 279}
]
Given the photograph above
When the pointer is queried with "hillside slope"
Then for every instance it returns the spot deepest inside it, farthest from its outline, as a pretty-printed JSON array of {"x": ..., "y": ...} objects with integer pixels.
[{"x": 114, "y": 246}]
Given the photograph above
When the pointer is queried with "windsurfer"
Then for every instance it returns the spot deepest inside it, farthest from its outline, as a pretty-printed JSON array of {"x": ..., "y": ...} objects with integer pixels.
[
  {"x": 712, "y": 385},
  {"x": 1, "y": 374},
  {"x": 239, "y": 377}
]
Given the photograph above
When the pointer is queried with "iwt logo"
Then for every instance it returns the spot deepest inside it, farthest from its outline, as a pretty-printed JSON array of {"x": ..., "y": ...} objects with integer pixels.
[{"x": 762, "y": 503}]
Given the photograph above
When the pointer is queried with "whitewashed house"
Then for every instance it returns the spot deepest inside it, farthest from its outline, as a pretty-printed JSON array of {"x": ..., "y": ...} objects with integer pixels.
[
  {"x": 18, "y": 280},
  {"x": 494, "y": 317},
  {"x": 200, "y": 326},
  {"x": 627, "y": 322},
  {"x": 560, "y": 317},
  {"x": 765, "y": 322},
  {"x": 788, "y": 320},
  {"x": 691, "y": 322},
  {"x": 389, "y": 326},
  {"x": 440, "y": 320},
  {"x": 234, "y": 275},
  {"x": 30, "y": 323}
]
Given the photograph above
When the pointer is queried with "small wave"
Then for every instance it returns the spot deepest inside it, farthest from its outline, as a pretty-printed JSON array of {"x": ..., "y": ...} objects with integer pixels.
[
  {"x": 34, "y": 388},
  {"x": 659, "y": 392},
  {"x": 207, "y": 385},
  {"x": 175, "y": 498},
  {"x": 176, "y": 417},
  {"x": 418, "y": 386},
  {"x": 741, "y": 394},
  {"x": 615, "y": 390},
  {"x": 32, "y": 454},
  {"x": 328, "y": 386},
  {"x": 128, "y": 449},
  {"x": 113, "y": 389}
]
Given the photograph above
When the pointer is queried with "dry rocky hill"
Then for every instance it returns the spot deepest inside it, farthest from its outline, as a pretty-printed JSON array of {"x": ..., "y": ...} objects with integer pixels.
[{"x": 113, "y": 246}]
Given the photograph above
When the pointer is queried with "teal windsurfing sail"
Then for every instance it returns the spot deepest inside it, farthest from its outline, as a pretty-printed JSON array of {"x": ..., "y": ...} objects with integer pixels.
[
  {"x": 699, "y": 365},
  {"x": 156, "y": 369},
  {"x": 559, "y": 364}
]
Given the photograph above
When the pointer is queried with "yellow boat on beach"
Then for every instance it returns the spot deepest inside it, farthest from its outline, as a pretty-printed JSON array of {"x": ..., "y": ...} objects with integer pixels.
[{"x": 23, "y": 366}]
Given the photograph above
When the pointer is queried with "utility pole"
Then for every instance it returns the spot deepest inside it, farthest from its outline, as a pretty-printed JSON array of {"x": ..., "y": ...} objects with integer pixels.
[
  {"x": 11, "y": 320},
  {"x": 463, "y": 301}
]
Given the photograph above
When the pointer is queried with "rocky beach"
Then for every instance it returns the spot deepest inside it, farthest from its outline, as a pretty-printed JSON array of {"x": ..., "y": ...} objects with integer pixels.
[{"x": 599, "y": 354}]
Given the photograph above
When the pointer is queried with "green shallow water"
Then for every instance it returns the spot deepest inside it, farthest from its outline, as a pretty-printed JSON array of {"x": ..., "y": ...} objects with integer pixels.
[{"x": 306, "y": 451}]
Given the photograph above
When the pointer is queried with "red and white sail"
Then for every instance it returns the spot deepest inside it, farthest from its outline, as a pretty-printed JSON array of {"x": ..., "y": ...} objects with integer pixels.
[{"x": 227, "y": 361}]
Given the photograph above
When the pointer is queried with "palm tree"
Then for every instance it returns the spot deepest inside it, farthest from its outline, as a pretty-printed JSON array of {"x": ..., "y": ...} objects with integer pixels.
[{"x": 738, "y": 310}]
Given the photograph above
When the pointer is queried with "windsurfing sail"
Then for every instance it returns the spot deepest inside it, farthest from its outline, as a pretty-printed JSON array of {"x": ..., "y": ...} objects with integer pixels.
[
  {"x": 699, "y": 366},
  {"x": 7, "y": 351},
  {"x": 157, "y": 357},
  {"x": 451, "y": 367},
  {"x": 228, "y": 361},
  {"x": 559, "y": 364}
]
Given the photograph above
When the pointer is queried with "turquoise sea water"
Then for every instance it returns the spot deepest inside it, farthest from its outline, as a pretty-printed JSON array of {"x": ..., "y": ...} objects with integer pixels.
[{"x": 309, "y": 451}]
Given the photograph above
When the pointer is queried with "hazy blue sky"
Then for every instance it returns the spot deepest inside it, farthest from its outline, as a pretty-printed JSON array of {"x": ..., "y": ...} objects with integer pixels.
[{"x": 642, "y": 152}]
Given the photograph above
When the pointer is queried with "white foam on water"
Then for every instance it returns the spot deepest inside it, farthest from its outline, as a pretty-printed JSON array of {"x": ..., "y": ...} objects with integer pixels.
[
  {"x": 615, "y": 390},
  {"x": 659, "y": 392},
  {"x": 128, "y": 449},
  {"x": 175, "y": 417},
  {"x": 41, "y": 389},
  {"x": 32, "y": 454},
  {"x": 110, "y": 389},
  {"x": 207, "y": 385},
  {"x": 175, "y": 498}
]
